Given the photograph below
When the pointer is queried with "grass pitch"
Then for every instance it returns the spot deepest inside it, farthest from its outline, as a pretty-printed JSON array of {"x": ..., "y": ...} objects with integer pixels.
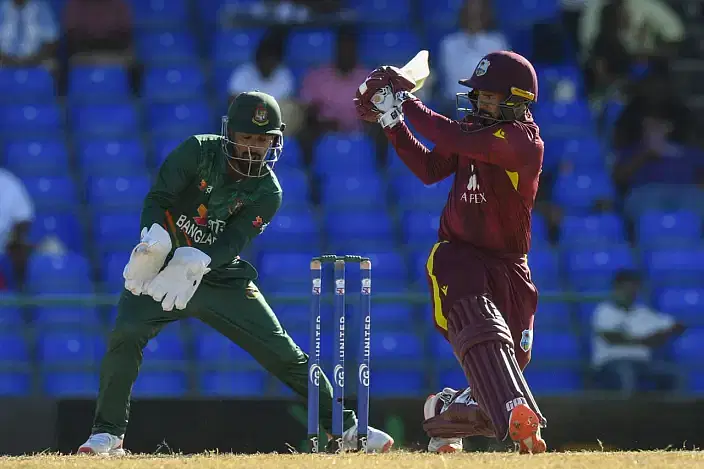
[{"x": 393, "y": 460}]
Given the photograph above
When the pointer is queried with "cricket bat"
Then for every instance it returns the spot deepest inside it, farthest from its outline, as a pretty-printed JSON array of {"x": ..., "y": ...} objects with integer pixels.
[{"x": 416, "y": 70}]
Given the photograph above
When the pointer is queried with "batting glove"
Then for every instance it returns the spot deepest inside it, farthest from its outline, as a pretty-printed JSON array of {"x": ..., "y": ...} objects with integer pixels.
[
  {"x": 389, "y": 106},
  {"x": 146, "y": 259},
  {"x": 178, "y": 282}
]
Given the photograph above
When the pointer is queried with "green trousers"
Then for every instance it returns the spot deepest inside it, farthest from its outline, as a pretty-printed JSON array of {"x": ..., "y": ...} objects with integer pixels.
[{"x": 239, "y": 312}]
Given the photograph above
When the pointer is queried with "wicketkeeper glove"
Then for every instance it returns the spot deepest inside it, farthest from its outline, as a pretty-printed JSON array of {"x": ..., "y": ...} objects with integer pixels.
[
  {"x": 178, "y": 282},
  {"x": 147, "y": 259}
]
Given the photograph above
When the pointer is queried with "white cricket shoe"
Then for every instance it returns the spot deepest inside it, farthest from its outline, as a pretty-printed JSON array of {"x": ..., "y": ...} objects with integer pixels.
[
  {"x": 434, "y": 405},
  {"x": 377, "y": 440},
  {"x": 103, "y": 444}
]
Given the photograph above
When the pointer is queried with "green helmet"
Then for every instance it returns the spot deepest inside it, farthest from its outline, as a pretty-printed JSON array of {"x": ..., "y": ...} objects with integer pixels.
[{"x": 253, "y": 112}]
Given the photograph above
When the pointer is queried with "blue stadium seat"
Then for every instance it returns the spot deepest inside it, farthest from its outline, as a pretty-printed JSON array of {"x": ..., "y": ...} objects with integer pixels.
[
  {"x": 166, "y": 346},
  {"x": 14, "y": 383},
  {"x": 524, "y": 13},
  {"x": 112, "y": 157},
  {"x": 36, "y": 157},
  {"x": 564, "y": 119},
  {"x": 689, "y": 348},
  {"x": 113, "y": 265},
  {"x": 310, "y": 47},
  {"x": 118, "y": 192},
  {"x": 553, "y": 381},
  {"x": 70, "y": 346},
  {"x": 592, "y": 229},
  {"x": 669, "y": 228},
  {"x": 236, "y": 46},
  {"x": 214, "y": 348},
  {"x": 294, "y": 182},
  {"x": 684, "y": 303},
  {"x": 173, "y": 84},
  {"x": 13, "y": 348},
  {"x": 74, "y": 316},
  {"x": 420, "y": 227},
  {"x": 583, "y": 153},
  {"x": 91, "y": 83},
  {"x": 551, "y": 346},
  {"x": 550, "y": 77},
  {"x": 68, "y": 273},
  {"x": 231, "y": 384},
  {"x": 52, "y": 192},
  {"x": 396, "y": 383},
  {"x": 64, "y": 226},
  {"x": 286, "y": 266},
  {"x": 160, "y": 384},
  {"x": 388, "y": 265},
  {"x": 391, "y": 315},
  {"x": 33, "y": 120},
  {"x": 160, "y": 13},
  {"x": 180, "y": 120},
  {"x": 291, "y": 227},
  {"x": 441, "y": 12},
  {"x": 676, "y": 267},
  {"x": 387, "y": 46},
  {"x": 166, "y": 47},
  {"x": 26, "y": 85},
  {"x": 411, "y": 193},
  {"x": 592, "y": 269},
  {"x": 350, "y": 190},
  {"x": 396, "y": 345},
  {"x": 441, "y": 348},
  {"x": 553, "y": 315},
  {"x": 162, "y": 147},
  {"x": 10, "y": 316},
  {"x": 381, "y": 12},
  {"x": 344, "y": 154},
  {"x": 71, "y": 384},
  {"x": 539, "y": 233},
  {"x": 105, "y": 120},
  {"x": 358, "y": 224},
  {"x": 117, "y": 230},
  {"x": 291, "y": 156},
  {"x": 577, "y": 192},
  {"x": 544, "y": 264}
]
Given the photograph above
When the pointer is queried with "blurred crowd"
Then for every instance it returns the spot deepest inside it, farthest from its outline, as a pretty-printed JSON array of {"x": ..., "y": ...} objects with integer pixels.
[{"x": 625, "y": 50}]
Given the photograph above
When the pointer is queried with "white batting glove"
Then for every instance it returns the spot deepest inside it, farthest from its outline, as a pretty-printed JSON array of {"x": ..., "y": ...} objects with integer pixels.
[
  {"x": 389, "y": 105},
  {"x": 146, "y": 259},
  {"x": 178, "y": 282}
]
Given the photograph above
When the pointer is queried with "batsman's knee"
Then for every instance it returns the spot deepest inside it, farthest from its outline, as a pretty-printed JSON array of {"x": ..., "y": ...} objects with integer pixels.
[
  {"x": 473, "y": 320},
  {"x": 130, "y": 336}
]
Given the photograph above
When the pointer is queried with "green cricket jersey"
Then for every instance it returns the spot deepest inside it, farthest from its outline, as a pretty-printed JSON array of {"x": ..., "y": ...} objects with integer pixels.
[{"x": 200, "y": 205}]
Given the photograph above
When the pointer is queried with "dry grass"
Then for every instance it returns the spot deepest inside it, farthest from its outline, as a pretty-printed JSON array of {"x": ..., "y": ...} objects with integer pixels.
[{"x": 398, "y": 459}]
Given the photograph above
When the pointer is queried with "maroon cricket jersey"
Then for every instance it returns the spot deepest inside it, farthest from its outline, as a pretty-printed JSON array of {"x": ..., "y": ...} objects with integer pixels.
[{"x": 496, "y": 168}]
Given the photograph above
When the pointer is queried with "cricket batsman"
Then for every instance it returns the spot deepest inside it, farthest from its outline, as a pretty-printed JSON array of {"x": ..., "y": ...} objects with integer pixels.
[
  {"x": 214, "y": 195},
  {"x": 483, "y": 296}
]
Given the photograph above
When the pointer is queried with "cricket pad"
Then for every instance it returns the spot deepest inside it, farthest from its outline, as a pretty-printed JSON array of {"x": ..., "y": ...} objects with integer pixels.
[{"x": 482, "y": 340}]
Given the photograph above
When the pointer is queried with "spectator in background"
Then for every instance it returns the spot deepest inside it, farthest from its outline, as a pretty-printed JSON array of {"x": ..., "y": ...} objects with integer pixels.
[
  {"x": 625, "y": 336},
  {"x": 16, "y": 216},
  {"x": 269, "y": 74},
  {"x": 98, "y": 31},
  {"x": 653, "y": 145},
  {"x": 461, "y": 51},
  {"x": 326, "y": 90},
  {"x": 29, "y": 34},
  {"x": 649, "y": 28}
]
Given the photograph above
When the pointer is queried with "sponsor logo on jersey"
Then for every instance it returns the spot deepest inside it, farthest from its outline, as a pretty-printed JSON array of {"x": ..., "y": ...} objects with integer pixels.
[
  {"x": 500, "y": 134},
  {"x": 473, "y": 195},
  {"x": 204, "y": 187},
  {"x": 261, "y": 116},
  {"x": 200, "y": 229},
  {"x": 202, "y": 218}
]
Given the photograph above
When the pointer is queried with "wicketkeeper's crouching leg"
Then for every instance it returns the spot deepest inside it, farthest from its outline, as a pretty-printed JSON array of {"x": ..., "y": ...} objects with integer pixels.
[{"x": 482, "y": 341}]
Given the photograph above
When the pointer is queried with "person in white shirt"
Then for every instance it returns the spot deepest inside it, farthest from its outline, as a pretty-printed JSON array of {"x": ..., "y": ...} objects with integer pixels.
[
  {"x": 16, "y": 216},
  {"x": 625, "y": 336},
  {"x": 461, "y": 51}
]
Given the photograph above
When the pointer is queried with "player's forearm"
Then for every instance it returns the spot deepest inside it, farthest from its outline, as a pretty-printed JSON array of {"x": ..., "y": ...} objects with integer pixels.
[
  {"x": 225, "y": 249},
  {"x": 427, "y": 165},
  {"x": 154, "y": 209},
  {"x": 431, "y": 125}
]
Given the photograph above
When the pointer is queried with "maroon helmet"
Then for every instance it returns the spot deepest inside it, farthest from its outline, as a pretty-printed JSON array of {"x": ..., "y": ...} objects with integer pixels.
[{"x": 503, "y": 72}]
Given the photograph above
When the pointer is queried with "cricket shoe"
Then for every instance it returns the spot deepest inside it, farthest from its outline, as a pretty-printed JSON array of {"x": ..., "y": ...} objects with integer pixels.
[
  {"x": 102, "y": 444},
  {"x": 524, "y": 429},
  {"x": 377, "y": 440},
  {"x": 434, "y": 405}
]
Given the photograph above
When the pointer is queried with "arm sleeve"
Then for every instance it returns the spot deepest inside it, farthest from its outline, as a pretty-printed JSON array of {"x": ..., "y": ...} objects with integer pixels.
[
  {"x": 491, "y": 145},
  {"x": 605, "y": 319},
  {"x": 666, "y": 21},
  {"x": 430, "y": 166},
  {"x": 178, "y": 170},
  {"x": 241, "y": 229}
]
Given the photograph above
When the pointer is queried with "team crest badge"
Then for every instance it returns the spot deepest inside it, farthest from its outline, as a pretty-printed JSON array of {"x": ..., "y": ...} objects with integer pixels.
[
  {"x": 482, "y": 67},
  {"x": 527, "y": 340},
  {"x": 261, "y": 115}
]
